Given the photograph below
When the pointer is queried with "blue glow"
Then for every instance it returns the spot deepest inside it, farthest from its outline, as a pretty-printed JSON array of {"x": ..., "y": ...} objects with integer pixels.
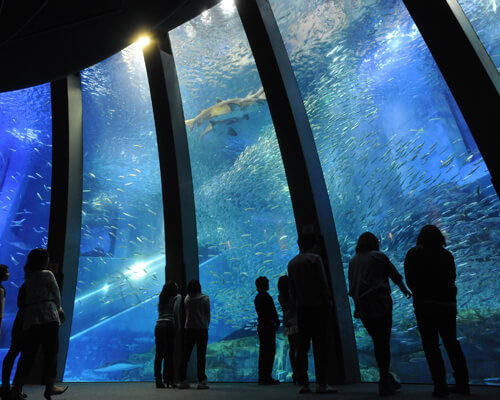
[
  {"x": 122, "y": 253},
  {"x": 244, "y": 214},
  {"x": 396, "y": 155},
  {"x": 25, "y": 186}
]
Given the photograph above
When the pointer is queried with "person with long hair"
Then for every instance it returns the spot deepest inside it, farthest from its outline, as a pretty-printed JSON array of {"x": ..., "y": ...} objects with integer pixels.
[
  {"x": 197, "y": 309},
  {"x": 42, "y": 317},
  {"x": 165, "y": 331},
  {"x": 369, "y": 273},
  {"x": 430, "y": 273},
  {"x": 290, "y": 326}
]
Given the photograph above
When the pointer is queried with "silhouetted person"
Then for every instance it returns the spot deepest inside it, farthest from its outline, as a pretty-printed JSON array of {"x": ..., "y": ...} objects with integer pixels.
[
  {"x": 41, "y": 319},
  {"x": 197, "y": 309},
  {"x": 165, "y": 331},
  {"x": 430, "y": 274},
  {"x": 15, "y": 344},
  {"x": 290, "y": 326},
  {"x": 369, "y": 273},
  {"x": 268, "y": 323},
  {"x": 310, "y": 296},
  {"x": 4, "y": 275}
]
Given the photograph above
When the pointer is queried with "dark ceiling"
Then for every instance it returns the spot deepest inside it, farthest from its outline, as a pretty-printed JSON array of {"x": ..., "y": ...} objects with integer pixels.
[{"x": 43, "y": 40}]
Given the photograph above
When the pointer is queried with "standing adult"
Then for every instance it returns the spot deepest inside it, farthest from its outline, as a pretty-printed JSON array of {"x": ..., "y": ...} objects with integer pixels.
[
  {"x": 290, "y": 327},
  {"x": 310, "y": 296},
  {"x": 41, "y": 319},
  {"x": 369, "y": 273},
  {"x": 165, "y": 331},
  {"x": 268, "y": 323},
  {"x": 197, "y": 309},
  {"x": 430, "y": 274}
]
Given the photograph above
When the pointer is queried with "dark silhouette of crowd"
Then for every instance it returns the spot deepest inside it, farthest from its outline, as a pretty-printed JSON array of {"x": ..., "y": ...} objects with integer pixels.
[{"x": 306, "y": 303}]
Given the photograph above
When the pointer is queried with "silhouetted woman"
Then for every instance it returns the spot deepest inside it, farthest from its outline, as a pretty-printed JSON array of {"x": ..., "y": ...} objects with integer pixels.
[
  {"x": 430, "y": 273},
  {"x": 165, "y": 330},
  {"x": 290, "y": 326},
  {"x": 197, "y": 309},
  {"x": 41, "y": 319},
  {"x": 369, "y": 286}
]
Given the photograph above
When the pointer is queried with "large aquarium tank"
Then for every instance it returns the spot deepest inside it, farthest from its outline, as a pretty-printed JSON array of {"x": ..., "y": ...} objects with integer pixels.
[
  {"x": 25, "y": 187},
  {"x": 121, "y": 268},
  {"x": 396, "y": 155},
  {"x": 245, "y": 222},
  {"x": 395, "y": 152}
]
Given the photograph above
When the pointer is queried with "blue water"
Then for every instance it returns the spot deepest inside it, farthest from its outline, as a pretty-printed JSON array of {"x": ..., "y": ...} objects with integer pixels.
[
  {"x": 25, "y": 184},
  {"x": 122, "y": 251},
  {"x": 395, "y": 151},
  {"x": 484, "y": 16}
]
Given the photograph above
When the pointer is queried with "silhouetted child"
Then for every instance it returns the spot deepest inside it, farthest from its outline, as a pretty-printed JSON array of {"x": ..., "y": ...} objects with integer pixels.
[
  {"x": 290, "y": 326},
  {"x": 268, "y": 323},
  {"x": 430, "y": 274},
  {"x": 197, "y": 309},
  {"x": 369, "y": 273},
  {"x": 165, "y": 331}
]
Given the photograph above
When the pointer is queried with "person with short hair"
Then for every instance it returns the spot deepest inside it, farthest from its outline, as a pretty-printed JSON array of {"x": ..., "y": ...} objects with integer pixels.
[
  {"x": 369, "y": 273},
  {"x": 197, "y": 309},
  {"x": 310, "y": 296},
  {"x": 268, "y": 323},
  {"x": 430, "y": 273}
]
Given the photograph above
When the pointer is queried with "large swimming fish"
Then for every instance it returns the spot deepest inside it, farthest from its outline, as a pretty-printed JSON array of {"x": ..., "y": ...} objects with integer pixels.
[{"x": 223, "y": 107}]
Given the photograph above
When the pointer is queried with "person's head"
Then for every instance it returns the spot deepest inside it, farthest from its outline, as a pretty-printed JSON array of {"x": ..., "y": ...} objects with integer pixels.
[
  {"x": 367, "y": 242},
  {"x": 262, "y": 284},
  {"x": 170, "y": 289},
  {"x": 283, "y": 285},
  {"x": 430, "y": 236},
  {"x": 38, "y": 259},
  {"x": 4, "y": 272},
  {"x": 306, "y": 241},
  {"x": 193, "y": 287}
]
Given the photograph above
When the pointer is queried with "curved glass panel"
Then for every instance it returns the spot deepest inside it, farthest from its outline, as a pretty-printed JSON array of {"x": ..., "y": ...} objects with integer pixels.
[
  {"x": 122, "y": 256},
  {"x": 484, "y": 16},
  {"x": 25, "y": 181},
  {"x": 244, "y": 215},
  {"x": 396, "y": 155}
]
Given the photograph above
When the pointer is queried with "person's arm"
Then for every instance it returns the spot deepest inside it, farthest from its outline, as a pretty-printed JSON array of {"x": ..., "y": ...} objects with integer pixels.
[
  {"x": 409, "y": 269},
  {"x": 396, "y": 277},
  {"x": 275, "y": 315},
  {"x": 208, "y": 309}
]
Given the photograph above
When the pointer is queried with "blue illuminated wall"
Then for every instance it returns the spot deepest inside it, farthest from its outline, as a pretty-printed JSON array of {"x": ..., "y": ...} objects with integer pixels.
[
  {"x": 244, "y": 215},
  {"x": 396, "y": 155},
  {"x": 122, "y": 251},
  {"x": 25, "y": 182}
]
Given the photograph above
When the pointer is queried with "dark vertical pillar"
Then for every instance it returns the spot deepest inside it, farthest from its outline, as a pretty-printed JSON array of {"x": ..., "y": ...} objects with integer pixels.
[
  {"x": 309, "y": 195},
  {"x": 467, "y": 69},
  {"x": 66, "y": 197},
  {"x": 177, "y": 186}
]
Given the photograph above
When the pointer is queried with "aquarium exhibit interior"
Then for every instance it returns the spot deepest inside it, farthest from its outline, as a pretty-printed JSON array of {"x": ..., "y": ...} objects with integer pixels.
[{"x": 205, "y": 151}]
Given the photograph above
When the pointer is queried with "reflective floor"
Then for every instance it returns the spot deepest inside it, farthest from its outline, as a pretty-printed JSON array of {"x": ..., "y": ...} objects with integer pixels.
[{"x": 244, "y": 391}]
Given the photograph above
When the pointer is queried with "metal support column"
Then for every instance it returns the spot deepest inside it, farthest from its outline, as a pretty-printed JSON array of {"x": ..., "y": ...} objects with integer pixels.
[
  {"x": 308, "y": 191},
  {"x": 66, "y": 197},
  {"x": 468, "y": 71},
  {"x": 177, "y": 186}
]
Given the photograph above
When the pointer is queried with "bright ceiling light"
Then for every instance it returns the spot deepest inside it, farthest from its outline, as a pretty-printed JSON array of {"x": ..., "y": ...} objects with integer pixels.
[{"x": 144, "y": 40}]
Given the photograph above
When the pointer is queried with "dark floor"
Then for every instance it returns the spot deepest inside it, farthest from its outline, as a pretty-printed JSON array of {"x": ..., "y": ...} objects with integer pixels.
[{"x": 244, "y": 391}]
